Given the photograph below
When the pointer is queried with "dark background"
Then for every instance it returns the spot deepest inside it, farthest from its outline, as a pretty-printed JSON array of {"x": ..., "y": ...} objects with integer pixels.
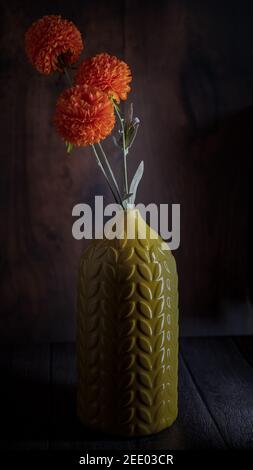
[{"x": 192, "y": 90}]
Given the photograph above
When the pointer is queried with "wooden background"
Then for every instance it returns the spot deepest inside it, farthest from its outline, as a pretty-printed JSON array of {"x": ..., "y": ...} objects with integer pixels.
[{"x": 192, "y": 90}]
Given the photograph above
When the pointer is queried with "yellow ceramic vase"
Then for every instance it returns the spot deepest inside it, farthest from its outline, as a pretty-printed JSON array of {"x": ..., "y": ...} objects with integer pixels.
[{"x": 127, "y": 340}]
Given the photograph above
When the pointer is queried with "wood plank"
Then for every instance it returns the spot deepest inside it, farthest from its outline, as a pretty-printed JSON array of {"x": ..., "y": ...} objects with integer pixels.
[
  {"x": 40, "y": 184},
  {"x": 29, "y": 398},
  {"x": 193, "y": 128},
  {"x": 64, "y": 423},
  {"x": 191, "y": 89},
  {"x": 245, "y": 345},
  {"x": 225, "y": 382},
  {"x": 200, "y": 429},
  {"x": 214, "y": 398},
  {"x": 194, "y": 428}
]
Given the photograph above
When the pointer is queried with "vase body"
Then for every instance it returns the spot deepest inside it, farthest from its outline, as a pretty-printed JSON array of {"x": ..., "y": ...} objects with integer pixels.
[{"x": 127, "y": 334}]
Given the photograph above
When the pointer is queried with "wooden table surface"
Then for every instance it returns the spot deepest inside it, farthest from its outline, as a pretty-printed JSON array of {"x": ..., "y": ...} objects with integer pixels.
[{"x": 215, "y": 399}]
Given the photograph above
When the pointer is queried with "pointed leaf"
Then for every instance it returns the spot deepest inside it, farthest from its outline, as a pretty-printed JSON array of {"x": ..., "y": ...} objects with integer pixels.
[
  {"x": 131, "y": 130},
  {"x": 116, "y": 104},
  {"x": 135, "y": 181}
]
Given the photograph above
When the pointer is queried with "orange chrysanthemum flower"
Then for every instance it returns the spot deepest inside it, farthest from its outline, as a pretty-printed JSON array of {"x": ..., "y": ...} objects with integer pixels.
[
  {"x": 84, "y": 115},
  {"x": 107, "y": 73},
  {"x": 51, "y": 40}
]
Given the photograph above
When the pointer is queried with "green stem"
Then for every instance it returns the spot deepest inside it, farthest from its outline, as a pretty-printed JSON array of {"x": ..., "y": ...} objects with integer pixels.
[
  {"x": 105, "y": 175},
  {"x": 110, "y": 171},
  {"x": 124, "y": 148}
]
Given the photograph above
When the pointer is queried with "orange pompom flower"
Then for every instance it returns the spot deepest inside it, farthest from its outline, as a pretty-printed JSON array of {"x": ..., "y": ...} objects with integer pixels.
[
  {"x": 107, "y": 73},
  {"x": 52, "y": 41},
  {"x": 84, "y": 115}
]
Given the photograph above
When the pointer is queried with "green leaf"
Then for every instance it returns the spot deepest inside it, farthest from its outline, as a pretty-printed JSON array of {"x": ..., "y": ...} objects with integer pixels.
[
  {"x": 135, "y": 182},
  {"x": 116, "y": 104},
  {"x": 131, "y": 132},
  {"x": 69, "y": 146}
]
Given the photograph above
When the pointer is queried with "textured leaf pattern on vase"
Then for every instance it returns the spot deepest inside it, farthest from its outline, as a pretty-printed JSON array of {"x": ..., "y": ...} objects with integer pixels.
[{"x": 127, "y": 343}]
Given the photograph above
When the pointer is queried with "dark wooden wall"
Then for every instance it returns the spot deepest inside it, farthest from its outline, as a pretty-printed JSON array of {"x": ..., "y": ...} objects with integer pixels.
[{"x": 192, "y": 68}]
